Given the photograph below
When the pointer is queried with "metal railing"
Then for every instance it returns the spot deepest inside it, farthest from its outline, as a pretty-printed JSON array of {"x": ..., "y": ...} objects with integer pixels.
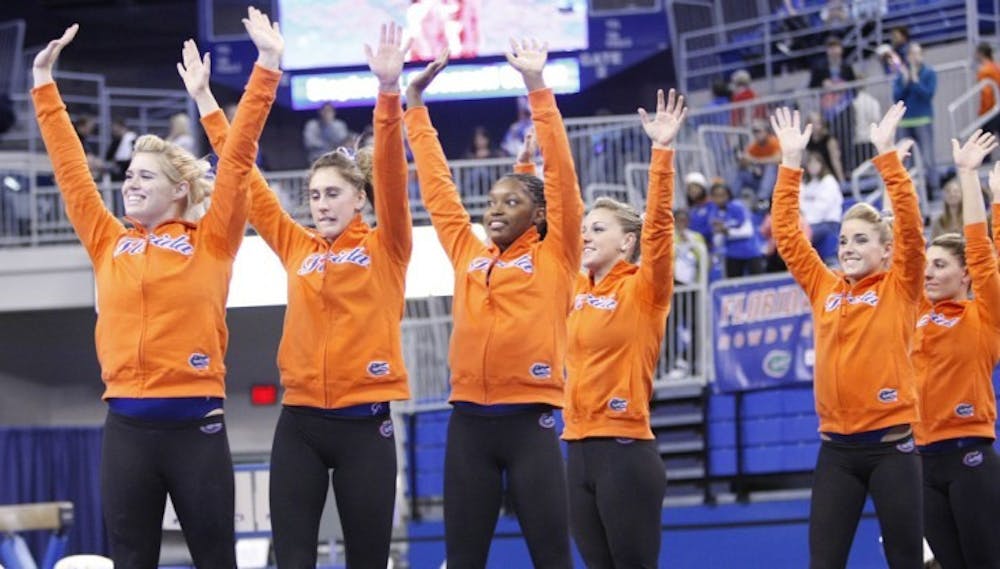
[
  {"x": 964, "y": 110},
  {"x": 770, "y": 43}
]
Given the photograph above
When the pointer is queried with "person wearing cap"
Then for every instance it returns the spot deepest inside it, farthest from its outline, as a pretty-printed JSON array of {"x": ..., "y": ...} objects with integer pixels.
[
  {"x": 696, "y": 191},
  {"x": 741, "y": 93}
]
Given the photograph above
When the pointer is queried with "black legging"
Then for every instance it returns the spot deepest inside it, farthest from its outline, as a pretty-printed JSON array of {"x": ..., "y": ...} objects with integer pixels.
[
  {"x": 480, "y": 452},
  {"x": 962, "y": 507},
  {"x": 845, "y": 473},
  {"x": 362, "y": 453},
  {"x": 142, "y": 462},
  {"x": 616, "y": 489}
]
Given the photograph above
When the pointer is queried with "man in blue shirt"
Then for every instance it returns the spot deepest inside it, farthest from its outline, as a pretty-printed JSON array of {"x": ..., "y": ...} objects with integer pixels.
[{"x": 915, "y": 85}]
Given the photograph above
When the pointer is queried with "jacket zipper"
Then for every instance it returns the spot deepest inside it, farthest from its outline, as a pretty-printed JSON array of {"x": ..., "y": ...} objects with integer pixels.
[{"x": 143, "y": 316}]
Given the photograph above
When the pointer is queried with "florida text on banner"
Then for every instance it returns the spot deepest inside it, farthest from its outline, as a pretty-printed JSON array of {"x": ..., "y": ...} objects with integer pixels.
[{"x": 763, "y": 333}]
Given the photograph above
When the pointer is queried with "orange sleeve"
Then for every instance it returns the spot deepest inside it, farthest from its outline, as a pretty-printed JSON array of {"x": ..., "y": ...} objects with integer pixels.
[
  {"x": 656, "y": 261},
  {"x": 803, "y": 261},
  {"x": 272, "y": 223},
  {"x": 563, "y": 202},
  {"x": 982, "y": 265},
  {"x": 389, "y": 179},
  {"x": 909, "y": 248},
  {"x": 995, "y": 210},
  {"x": 226, "y": 219},
  {"x": 93, "y": 223},
  {"x": 528, "y": 168},
  {"x": 437, "y": 188}
]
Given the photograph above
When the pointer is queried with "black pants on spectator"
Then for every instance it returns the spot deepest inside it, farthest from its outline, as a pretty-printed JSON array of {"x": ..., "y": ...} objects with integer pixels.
[
  {"x": 616, "y": 489},
  {"x": 142, "y": 462},
  {"x": 962, "y": 507},
  {"x": 482, "y": 450},
  {"x": 362, "y": 453},
  {"x": 744, "y": 267},
  {"x": 845, "y": 474}
]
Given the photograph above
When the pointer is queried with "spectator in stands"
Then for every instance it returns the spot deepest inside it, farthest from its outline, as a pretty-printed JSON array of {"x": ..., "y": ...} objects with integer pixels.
[
  {"x": 514, "y": 139},
  {"x": 741, "y": 93},
  {"x": 824, "y": 143},
  {"x": 85, "y": 126},
  {"x": 509, "y": 336},
  {"x": 688, "y": 248},
  {"x": 165, "y": 430},
  {"x": 758, "y": 165},
  {"x": 833, "y": 67},
  {"x": 956, "y": 347},
  {"x": 822, "y": 206},
  {"x": 988, "y": 69},
  {"x": 180, "y": 133},
  {"x": 345, "y": 293},
  {"x": 734, "y": 237},
  {"x": 481, "y": 146},
  {"x": 721, "y": 97},
  {"x": 120, "y": 151},
  {"x": 615, "y": 330},
  {"x": 696, "y": 192},
  {"x": 899, "y": 41},
  {"x": 866, "y": 111},
  {"x": 324, "y": 133},
  {"x": 864, "y": 317},
  {"x": 950, "y": 219},
  {"x": 915, "y": 85}
]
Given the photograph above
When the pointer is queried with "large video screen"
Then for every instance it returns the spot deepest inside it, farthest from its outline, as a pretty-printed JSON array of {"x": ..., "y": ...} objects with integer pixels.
[{"x": 332, "y": 33}]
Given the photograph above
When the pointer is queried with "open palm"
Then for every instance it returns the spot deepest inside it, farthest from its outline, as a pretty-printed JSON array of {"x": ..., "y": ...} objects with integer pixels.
[
  {"x": 883, "y": 134},
  {"x": 194, "y": 70},
  {"x": 48, "y": 56},
  {"x": 969, "y": 156},
  {"x": 386, "y": 60},
  {"x": 787, "y": 126},
  {"x": 528, "y": 56},
  {"x": 662, "y": 128},
  {"x": 264, "y": 34}
]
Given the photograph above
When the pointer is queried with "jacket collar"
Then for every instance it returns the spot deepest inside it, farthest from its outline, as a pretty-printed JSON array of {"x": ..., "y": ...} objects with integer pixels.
[{"x": 520, "y": 245}]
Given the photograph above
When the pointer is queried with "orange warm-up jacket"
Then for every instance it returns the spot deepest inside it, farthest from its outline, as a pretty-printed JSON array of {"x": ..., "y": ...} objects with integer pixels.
[
  {"x": 956, "y": 346},
  {"x": 864, "y": 378},
  {"x": 161, "y": 291},
  {"x": 341, "y": 342},
  {"x": 508, "y": 344},
  {"x": 616, "y": 327},
  {"x": 988, "y": 70}
]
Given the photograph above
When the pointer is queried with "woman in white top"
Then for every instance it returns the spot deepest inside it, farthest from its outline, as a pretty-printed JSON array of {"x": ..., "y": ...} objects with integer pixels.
[{"x": 822, "y": 205}]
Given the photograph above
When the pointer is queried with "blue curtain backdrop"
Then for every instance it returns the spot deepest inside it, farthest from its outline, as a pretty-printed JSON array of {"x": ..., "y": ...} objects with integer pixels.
[{"x": 42, "y": 464}]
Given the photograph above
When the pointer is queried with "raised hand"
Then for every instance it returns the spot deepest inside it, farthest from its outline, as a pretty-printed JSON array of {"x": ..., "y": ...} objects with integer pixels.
[
  {"x": 528, "y": 58},
  {"x": 787, "y": 126},
  {"x": 883, "y": 134},
  {"x": 41, "y": 69},
  {"x": 195, "y": 70},
  {"x": 266, "y": 36},
  {"x": 386, "y": 61},
  {"x": 903, "y": 148},
  {"x": 995, "y": 183},
  {"x": 970, "y": 155},
  {"x": 415, "y": 90},
  {"x": 663, "y": 127},
  {"x": 528, "y": 148}
]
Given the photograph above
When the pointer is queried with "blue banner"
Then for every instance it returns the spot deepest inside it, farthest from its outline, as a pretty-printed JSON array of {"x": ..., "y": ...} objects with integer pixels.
[{"x": 762, "y": 333}]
